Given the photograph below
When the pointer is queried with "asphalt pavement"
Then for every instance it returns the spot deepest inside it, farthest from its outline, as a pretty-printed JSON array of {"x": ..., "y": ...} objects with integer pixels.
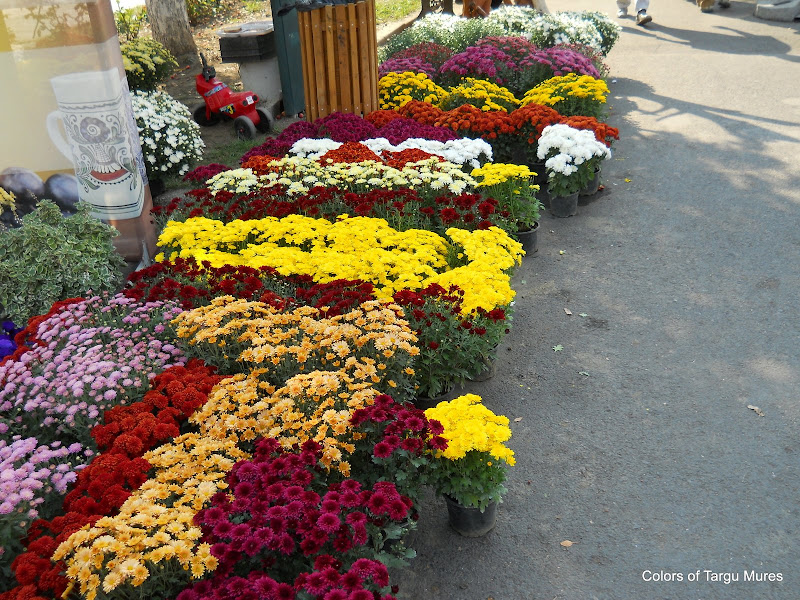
[{"x": 636, "y": 441}]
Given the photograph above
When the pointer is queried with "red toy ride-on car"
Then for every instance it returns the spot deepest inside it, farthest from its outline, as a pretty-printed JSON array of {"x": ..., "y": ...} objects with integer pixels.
[{"x": 222, "y": 103}]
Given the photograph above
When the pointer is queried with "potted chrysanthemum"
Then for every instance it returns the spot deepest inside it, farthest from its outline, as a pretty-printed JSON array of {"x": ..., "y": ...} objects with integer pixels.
[
  {"x": 570, "y": 94},
  {"x": 170, "y": 138},
  {"x": 454, "y": 345},
  {"x": 514, "y": 189},
  {"x": 397, "y": 89},
  {"x": 570, "y": 156},
  {"x": 471, "y": 471},
  {"x": 604, "y": 134}
]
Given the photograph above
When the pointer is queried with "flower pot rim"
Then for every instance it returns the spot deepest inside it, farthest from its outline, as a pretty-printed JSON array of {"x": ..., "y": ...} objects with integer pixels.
[
  {"x": 441, "y": 395},
  {"x": 534, "y": 227},
  {"x": 562, "y": 201},
  {"x": 451, "y": 500}
]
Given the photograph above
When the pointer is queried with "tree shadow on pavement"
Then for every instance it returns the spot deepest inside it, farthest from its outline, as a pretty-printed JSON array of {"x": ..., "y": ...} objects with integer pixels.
[
  {"x": 749, "y": 129},
  {"x": 734, "y": 41},
  {"x": 635, "y": 442}
]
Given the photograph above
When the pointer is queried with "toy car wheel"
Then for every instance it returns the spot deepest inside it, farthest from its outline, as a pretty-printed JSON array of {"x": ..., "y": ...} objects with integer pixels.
[
  {"x": 245, "y": 130},
  {"x": 199, "y": 116},
  {"x": 265, "y": 121}
]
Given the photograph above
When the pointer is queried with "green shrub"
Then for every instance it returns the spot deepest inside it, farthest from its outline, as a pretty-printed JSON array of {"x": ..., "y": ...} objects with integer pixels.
[
  {"x": 456, "y": 33},
  {"x": 129, "y": 21},
  {"x": 515, "y": 20},
  {"x": 608, "y": 29},
  {"x": 201, "y": 11},
  {"x": 147, "y": 63},
  {"x": 52, "y": 257}
]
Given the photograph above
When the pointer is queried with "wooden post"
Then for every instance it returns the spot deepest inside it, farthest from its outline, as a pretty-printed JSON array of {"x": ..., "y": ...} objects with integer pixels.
[
  {"x": 343, "y": 75},
  {"x": 340, "y": 59},
  {"x": 352, "y": 33},
  {"x": 363, "y": 53},
  {"x": 330, "y": 61}
]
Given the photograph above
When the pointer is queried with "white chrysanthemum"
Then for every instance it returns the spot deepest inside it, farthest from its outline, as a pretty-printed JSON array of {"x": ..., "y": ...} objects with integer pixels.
[
  {"x": 169, "y": 137},
  {"x": 313, "y": 148},
  {"x": 565, "y": 149}
]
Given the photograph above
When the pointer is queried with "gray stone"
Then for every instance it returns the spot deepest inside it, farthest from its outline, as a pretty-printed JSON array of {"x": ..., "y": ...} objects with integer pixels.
[{"x": 779, "y": 10}]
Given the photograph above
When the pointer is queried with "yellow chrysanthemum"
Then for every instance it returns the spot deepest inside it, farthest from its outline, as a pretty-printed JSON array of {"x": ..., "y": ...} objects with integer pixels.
[
  {"x": 471, "y": 427},
  {"x": 354, "y": 248},
  {"x": 570, "y": 94},
  {"x": 398, "y": 89},
  {"x": 155, "y": 524},
  {"x": 481, "y": 94}
]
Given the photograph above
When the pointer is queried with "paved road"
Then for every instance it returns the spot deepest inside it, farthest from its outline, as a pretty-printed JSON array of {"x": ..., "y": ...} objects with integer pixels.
[{"x": 690, "y": 276}]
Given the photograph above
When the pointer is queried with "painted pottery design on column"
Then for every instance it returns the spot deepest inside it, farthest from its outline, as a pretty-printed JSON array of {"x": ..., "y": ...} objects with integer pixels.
[{"x": 93, "y": 112}]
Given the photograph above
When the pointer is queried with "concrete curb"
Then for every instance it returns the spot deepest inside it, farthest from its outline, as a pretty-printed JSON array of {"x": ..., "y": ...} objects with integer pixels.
[
  {"x": 387, "y": 30},
  {"x": 785, "y": 10}
]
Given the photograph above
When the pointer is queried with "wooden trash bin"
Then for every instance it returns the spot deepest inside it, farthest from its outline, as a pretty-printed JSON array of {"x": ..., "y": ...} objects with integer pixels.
[{"x": 339, "y": 47}]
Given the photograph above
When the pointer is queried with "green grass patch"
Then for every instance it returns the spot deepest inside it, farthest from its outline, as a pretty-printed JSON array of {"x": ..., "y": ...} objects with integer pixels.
[
  {"x": 226, "y": 154},
  {"x": 230, "y": 153},
  {"x": 385, "y": 10},
  {"x": 392, "y": 10}
]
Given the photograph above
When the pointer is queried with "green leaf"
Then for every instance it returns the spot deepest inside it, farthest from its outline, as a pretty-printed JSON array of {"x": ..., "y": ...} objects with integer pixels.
[
  {"x": 558, "y": 348},
  {"x": 51, "y": 257}
]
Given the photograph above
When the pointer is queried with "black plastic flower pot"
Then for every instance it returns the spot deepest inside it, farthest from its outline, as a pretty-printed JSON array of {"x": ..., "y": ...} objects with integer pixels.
[
  {"x": 529, "y": 239},
  {"x": 564, "y": 206},
  {"x": 469, "y": 521},
  {"x": 585, "y": 195}
]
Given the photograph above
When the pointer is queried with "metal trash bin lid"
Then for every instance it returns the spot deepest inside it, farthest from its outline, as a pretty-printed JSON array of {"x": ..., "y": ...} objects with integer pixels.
[{"x": 247, "y": 29}]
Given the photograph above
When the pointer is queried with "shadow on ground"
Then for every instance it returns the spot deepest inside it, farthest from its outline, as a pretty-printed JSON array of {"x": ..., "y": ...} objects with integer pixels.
[{"x": 636, "y": 441}]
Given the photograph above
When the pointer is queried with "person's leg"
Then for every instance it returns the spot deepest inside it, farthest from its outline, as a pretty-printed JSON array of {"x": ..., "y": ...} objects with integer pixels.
[
  {"x": 541, "y": 6},
  {"x": 622, "y": 7},
  {"x": 642, "y": 18}
]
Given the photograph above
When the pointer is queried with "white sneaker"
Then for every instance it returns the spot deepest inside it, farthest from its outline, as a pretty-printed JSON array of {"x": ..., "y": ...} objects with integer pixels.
[{"x": 622, "y": 12}]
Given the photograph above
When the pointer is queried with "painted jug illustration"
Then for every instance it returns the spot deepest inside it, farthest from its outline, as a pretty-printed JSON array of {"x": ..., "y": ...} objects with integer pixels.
[{"x": 93, "y": 111}]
